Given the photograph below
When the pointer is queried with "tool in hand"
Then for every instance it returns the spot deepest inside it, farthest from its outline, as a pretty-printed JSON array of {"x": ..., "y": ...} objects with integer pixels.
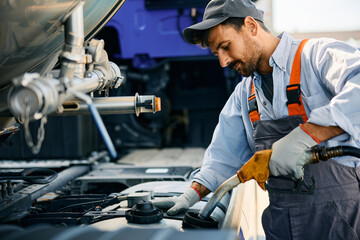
[{"x": 258, "y": 168}]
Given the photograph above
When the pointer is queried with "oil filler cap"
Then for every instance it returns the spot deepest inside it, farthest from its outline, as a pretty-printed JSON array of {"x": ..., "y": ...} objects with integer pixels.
[{"x": 144, "y": 213}]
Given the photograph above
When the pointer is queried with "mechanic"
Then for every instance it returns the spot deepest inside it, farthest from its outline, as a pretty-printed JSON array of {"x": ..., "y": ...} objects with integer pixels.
[{"x": 269, "y": 110}]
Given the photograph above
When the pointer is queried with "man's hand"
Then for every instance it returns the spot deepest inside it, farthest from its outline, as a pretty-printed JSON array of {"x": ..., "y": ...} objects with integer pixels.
[
  {"x": 256, "y": 168},
  {"x": 288, "y": 154},
  {"x": 184, "y": 201}
]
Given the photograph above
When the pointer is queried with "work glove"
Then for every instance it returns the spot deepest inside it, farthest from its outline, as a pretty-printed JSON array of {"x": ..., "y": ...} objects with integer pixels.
[
  {"x": 256, "y": 168},
  {"x": 290, "y": 153},
  {"x": 179, "y": 203}
]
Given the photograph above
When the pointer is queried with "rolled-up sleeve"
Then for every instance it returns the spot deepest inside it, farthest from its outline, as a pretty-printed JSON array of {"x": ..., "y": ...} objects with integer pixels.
[
  {"x": 337, "y": 66},
  {"x": 229, "y": 148}
]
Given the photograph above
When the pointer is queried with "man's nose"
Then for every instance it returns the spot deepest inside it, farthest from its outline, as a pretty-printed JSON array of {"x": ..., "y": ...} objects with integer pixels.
[{"x": 223, "y": 59}]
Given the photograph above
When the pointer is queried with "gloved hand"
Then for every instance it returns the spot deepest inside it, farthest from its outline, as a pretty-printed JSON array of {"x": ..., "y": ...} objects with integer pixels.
[
  {"x": 179, "y": 203},
  {"x": 289, "y": 154},
  {"x": 256, "y": 168}
]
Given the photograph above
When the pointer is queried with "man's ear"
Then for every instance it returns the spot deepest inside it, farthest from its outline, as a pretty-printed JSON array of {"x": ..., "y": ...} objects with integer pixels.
[{"x": 251, "y": 25}]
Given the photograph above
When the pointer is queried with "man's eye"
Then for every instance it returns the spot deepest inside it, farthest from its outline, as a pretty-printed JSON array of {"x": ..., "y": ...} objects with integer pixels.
[{"x": 226, "y": 47}]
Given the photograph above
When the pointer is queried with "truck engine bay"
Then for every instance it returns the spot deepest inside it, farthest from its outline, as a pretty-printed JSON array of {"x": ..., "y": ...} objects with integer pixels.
[{"x": 96, "y": 120}]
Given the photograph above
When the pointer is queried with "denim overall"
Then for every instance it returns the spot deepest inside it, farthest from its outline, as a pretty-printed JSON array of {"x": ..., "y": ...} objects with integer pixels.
[{"x": 326, "y": 204}]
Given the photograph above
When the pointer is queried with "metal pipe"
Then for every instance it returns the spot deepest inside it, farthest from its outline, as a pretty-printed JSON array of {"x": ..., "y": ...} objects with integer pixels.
[
  {"x": 74, "y": 27},
  {"x": 91, "y": 83},
  {"x": 106, "y": 105},
  {"x": 43, "y": 95},
  {"x": 73, "y": 55},
  {"x": 115, "y": 105},
  {"x": 229, "y": 184}
]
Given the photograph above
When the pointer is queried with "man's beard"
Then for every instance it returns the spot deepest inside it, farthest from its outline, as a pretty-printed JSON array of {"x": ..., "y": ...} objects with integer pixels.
[{"x": 246, "y": 69}]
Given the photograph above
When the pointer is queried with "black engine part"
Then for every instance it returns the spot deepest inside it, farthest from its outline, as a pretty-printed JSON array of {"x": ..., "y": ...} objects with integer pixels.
[
  {"x": 192, "y": 220},
  {"x": 144, "y": 213}
]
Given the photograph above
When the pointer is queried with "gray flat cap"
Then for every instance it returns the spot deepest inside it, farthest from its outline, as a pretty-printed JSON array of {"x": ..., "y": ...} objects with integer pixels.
[{"x": 217, "y": 11}]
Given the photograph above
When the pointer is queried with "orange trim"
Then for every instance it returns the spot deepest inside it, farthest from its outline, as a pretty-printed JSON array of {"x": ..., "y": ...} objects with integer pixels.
[
  {"x": 294, "y": 108},
  {"x": 308, "y": 133},
  {"x": 252, "y": 88},
  {"x": 254, "y": 115},
  {"x": 252, "y": 96},
  {"x": 157, "y": 104},
  {"x": 292, "y": 88},
  {"x": 196, "y": 191}
]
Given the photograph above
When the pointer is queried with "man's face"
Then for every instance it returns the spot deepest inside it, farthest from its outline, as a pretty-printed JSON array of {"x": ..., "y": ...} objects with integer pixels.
[{"x": 235, "y": 49}]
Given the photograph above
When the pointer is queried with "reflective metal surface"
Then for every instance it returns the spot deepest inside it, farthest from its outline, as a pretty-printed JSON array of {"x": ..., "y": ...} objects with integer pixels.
[
  {"x": 31, "y": 32},
  {"x": 115, "y": 105}
]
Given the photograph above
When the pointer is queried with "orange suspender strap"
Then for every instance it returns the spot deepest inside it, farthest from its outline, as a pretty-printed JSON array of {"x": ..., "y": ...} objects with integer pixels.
[
  {"x": 253, "y": 109},
  {"x": 293, "y": 91}
]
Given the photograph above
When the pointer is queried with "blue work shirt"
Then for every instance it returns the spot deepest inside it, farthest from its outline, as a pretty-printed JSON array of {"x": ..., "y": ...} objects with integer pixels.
[{"x": 330, "y": 88}]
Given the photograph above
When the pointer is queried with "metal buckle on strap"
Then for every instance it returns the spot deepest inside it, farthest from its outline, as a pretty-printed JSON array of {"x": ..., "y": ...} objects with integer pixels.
[
  {"x": 252, "y": 103},
  {"x": 293, "y": 94},
  {"x": 300, "y": 187}
]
